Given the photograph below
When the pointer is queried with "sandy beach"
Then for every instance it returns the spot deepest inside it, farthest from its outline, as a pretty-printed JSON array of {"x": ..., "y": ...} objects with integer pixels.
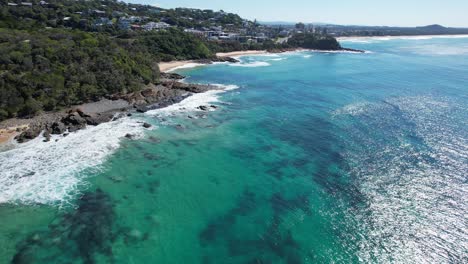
[
  {"x": 7, "y": 134},
  {"x": 171, "y": 65},
  {"x": 167, "y": 66}
]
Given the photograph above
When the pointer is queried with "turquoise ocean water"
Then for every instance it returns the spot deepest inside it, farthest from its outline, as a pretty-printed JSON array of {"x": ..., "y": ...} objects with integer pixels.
[{"x": 309, "y": 158}]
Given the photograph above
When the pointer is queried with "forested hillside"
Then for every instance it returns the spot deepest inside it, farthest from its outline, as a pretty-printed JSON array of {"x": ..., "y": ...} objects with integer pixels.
[{"x": 54, "y": 54}]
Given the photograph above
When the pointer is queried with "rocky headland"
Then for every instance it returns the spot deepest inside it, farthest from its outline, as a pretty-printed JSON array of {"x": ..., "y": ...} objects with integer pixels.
[{"x": 169, "y": 90}]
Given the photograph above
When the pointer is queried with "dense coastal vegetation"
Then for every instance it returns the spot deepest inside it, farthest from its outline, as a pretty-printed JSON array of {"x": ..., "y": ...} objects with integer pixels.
[{"x": 56, "y": 54}]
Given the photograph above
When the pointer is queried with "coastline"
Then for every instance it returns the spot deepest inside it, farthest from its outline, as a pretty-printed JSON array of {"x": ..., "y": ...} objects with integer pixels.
[
  {"x": 241, "y": 53},
  {"x": 169, "y": 91},
  {"x": 171, "y": 65},
  {"x": 8, "y": 134}
]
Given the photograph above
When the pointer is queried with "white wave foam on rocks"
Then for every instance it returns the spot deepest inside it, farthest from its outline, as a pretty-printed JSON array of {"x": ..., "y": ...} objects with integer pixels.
[
  {"x": 40, "y": 172},
  {"x": 191, "y": 103}
]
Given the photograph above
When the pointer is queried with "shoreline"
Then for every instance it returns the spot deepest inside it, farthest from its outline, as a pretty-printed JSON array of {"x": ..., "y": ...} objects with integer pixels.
[
  {"x": 116, "y": 106},
  {"x": 240, "y": 53},
  {"x": 171, "y": 65},
  {"x": 168, "y": 92}
]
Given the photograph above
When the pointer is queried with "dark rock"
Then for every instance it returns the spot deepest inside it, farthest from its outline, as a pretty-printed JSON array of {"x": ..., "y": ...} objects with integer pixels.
[
  {"x": 46, "y": 136},
  {"x": 353, "y": 50},
  {"x": 129, "y": 114},
  {"x": 29, "y": 134},
  {"x": 173, "y": 76},
  {"x": 66, "y": 134},
  {"x": 193, "y": 88},
  {"x": 213, "y": 106},
  {"x": 58, "y": 128},
  {"x": 72, "y": 129},
  {"x": 130, "y": 136},
  {"x": 74, "y": 119},
  {"x": 226, "y": 59},
  {"x": 81, "y": 113},
  {"x": 141, "y": 109},
  {"x": 203, "y": 107},
  {"x": 146, "y": 125},
  {"x": 97, "y": 119}
]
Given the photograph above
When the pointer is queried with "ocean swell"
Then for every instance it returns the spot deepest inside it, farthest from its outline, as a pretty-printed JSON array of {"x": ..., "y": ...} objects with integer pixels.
[{"x": 408, "y": 155}]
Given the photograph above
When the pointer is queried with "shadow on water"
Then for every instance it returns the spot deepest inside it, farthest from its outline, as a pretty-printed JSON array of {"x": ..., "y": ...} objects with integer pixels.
[
  {"x": 78, "y": 235},
  {"x": 318, "y": 138},
  {"x": 274, "y": 244}
]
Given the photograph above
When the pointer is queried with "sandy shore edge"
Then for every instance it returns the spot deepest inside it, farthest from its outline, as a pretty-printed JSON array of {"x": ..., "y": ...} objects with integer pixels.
[
  {"x": 171, "y": 65},
  {"x": 8, "y": 134}
]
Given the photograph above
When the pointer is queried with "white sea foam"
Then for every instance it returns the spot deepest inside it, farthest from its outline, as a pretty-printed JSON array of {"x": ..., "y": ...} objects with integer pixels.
[
  {"x": 251, "y": 64},
  {"x": 51, "y": 172},
  {"x": 191, "y": 103}
]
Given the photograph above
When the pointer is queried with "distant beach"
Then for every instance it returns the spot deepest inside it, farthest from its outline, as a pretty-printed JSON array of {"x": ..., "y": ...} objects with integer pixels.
[{"x": 172, "y": 65}]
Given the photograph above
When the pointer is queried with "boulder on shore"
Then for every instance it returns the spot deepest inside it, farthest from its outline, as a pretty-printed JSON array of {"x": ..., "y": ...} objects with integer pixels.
[
  {"x": 58, "y": 128},
  {"x": 29, "y": 134}
]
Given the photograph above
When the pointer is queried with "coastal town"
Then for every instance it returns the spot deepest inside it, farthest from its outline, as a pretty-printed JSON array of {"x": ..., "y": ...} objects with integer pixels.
[{"x": 112, "y": 16}]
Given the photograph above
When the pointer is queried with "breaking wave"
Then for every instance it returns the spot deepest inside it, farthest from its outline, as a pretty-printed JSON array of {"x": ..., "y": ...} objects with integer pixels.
[
  {"x": 251, "y": 64},
  {"x": 40, "y": 172},
  {"x": 191, "y": 103}
]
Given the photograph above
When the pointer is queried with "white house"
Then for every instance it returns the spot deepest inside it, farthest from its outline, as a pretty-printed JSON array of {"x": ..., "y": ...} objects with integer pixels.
[{"x": 155, "y": 26}]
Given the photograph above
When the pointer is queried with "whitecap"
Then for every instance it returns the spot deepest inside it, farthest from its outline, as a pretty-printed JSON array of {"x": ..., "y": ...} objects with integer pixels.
[
  {"x": 251, "y": 64},
  {"x": 40, "y": 172},
  {"x": 192, "y": 102}
]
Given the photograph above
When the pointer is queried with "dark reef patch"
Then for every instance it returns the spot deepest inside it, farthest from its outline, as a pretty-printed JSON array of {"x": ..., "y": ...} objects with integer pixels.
[
  {"x": 78, "y": 235},
  {"x": 273, "y": 245}
]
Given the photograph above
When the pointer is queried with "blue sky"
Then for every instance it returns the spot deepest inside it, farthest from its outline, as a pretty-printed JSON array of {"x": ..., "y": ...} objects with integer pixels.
[{"x": 357, "y": 12}]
